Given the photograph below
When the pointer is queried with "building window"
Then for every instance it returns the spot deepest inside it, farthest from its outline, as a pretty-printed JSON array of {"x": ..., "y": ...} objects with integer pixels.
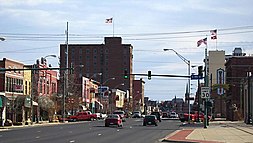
[
  {"x": 26, "y": 88},
  {"x": 40, "y": 85},
  {"x": 47, "y": 87},
  {"x": 87, "y": 51},
  {"x": 53, "y": 88},
  {"x": 95, "y": 51}
]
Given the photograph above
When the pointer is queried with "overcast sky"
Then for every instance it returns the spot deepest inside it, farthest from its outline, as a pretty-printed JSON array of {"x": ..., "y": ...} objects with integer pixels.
[{"x": 36, "y": 28}]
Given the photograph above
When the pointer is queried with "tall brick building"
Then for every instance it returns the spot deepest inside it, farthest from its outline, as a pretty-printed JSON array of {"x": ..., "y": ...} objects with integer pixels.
[
  {"x": 111, "y": 59},
  {"x": 236, "y": 70}
]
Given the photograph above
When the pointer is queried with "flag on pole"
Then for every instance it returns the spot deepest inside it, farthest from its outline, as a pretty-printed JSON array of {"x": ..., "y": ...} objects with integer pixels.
[
  {"x": 213, "y": 34},
  {"x": 109, "y": 20},
  {"x": 202, "y": 41}
]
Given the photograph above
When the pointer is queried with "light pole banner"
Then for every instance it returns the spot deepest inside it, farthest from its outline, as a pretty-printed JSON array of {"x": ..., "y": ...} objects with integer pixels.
[{"x": 220, "y": 81}]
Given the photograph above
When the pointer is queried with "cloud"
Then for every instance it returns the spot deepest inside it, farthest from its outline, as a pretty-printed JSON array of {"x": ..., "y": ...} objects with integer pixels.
[{"x": 12, "y": 3}]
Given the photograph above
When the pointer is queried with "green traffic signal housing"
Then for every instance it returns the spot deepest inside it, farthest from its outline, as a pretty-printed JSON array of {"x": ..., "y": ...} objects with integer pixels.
[
  {"x": 125, "y": 74},
  {"x": 149, "y": 75}
]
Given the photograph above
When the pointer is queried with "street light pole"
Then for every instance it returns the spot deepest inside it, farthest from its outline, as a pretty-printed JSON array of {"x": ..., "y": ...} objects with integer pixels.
[{"x": 189, "y": 80}]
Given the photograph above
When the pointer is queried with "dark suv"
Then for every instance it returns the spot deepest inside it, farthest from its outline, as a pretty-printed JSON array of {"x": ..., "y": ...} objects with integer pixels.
[{"x": 157, "y": 114}]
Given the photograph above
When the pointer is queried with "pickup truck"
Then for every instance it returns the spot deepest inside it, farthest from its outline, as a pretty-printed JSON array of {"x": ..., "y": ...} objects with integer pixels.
[{"x": 82, "y": 116}]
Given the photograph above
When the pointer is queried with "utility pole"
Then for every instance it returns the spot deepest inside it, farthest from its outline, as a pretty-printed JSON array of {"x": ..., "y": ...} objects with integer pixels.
[{"x": 65, "y": 91}]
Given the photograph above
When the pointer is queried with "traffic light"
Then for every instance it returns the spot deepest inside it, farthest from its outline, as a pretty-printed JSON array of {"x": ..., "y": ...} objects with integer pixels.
[
  {"x": 125, "y": 74},
  {"x": 149, "y": 75},
  {"x": 200, "y": 71}
]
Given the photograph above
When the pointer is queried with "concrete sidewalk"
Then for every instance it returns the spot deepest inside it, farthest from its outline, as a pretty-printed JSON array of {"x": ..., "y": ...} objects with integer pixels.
[
  {"x": 44, "y": 123},
  {"x": 216, "y": 132}
]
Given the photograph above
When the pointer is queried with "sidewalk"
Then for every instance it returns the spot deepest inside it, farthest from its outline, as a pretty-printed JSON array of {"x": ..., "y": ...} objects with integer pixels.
[
  {"x": 216, "y": 132},
  {"x": 42, "y": 123}
]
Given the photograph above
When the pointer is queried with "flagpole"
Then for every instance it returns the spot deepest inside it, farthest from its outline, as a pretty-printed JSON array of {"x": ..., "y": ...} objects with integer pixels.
[
  {"x": 112, "y": 27},
  {"x": 216, "y": 42},
  {"x": 206, "y": 85}
]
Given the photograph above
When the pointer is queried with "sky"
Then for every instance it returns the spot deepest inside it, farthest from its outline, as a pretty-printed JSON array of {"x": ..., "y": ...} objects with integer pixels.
[{"x": 35, "y": 28}]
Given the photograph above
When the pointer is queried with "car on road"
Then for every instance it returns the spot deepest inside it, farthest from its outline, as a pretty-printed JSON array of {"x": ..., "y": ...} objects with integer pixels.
[
  {"x": 158, "y": 115},
  {"x": 173, "y": 115},
  {"x": 121, "y": 114},
  {"x": 136, "y": 114},
  {"x": 165, "y": 115},
  {"x": 82, "y": 116},
  {"x": 193, "y": 117},
  {"x": 113, "y": 119},
  {"x": 150, "y": 120}
]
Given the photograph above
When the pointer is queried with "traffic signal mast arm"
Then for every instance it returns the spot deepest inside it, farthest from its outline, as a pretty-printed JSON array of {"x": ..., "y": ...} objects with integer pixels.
[{"x": 164, "y": 75}]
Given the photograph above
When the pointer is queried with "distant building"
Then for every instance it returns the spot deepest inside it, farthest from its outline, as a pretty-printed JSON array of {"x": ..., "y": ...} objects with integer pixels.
[
  {"x": 216, "y": 70},
  {"x": 111, "y": 59},
  {"x": 138, "y": 95},
  {"x": 11, "y": 88}
]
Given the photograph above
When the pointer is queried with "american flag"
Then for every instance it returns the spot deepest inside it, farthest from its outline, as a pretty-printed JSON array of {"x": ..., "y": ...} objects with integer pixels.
[
  {"x": 202, "y": 41},
  {"x": 109, "y": 20},
  {"x": 213, "y": 34}
]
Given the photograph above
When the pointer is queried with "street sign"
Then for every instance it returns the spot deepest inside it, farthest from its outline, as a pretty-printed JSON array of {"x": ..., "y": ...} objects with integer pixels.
[
  {"x": 205, "y": 92},
  {"x": 195, "y": 76}
]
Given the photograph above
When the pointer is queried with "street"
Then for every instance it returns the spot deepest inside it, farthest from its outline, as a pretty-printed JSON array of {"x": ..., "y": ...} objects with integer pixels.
[{"x": 91, "y": 132}]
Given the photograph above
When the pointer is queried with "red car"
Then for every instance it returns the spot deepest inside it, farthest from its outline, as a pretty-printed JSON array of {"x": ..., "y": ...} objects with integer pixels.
[
  {"x": 113, "y": 119},
  {"x": 193, "y": 117}
]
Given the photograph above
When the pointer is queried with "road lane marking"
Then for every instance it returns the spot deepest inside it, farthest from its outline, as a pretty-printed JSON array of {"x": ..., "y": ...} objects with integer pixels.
[{"x": 72, "y": 141}]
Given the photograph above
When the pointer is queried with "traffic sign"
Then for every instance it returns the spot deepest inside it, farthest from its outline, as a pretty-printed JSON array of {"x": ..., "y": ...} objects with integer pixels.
[
  {"x": 205, "y": 92},
  {"x": 194, "y": 76}
]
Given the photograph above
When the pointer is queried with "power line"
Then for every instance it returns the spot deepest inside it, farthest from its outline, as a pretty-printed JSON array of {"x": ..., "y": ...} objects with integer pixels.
[{"x": 183, "y": 34}]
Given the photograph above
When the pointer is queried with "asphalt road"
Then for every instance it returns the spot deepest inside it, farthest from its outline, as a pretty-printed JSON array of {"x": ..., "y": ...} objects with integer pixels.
[{"x": 91, "y": 132}]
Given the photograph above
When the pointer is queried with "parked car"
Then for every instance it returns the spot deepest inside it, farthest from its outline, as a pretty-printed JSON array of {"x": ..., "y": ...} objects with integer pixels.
[
  {"x": 136, "y": 114},
  {"x": 113, "y": 119},
  {"x": 121, "y": 114},
  {"x": 158, "y": 116},
  {"x": 193, "y": 117},
  {"x": 173, "y": 115},
  {"x": 150, "y": 120}
]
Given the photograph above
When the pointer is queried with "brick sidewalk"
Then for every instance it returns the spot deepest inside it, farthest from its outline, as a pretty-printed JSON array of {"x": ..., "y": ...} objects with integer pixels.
[{"x": 181, "y": 136}]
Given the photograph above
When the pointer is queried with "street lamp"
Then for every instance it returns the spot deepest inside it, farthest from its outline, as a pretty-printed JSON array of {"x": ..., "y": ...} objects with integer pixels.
[
  {"x": 189, "y": 80},
  {"x": 2, "y": 38}
]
